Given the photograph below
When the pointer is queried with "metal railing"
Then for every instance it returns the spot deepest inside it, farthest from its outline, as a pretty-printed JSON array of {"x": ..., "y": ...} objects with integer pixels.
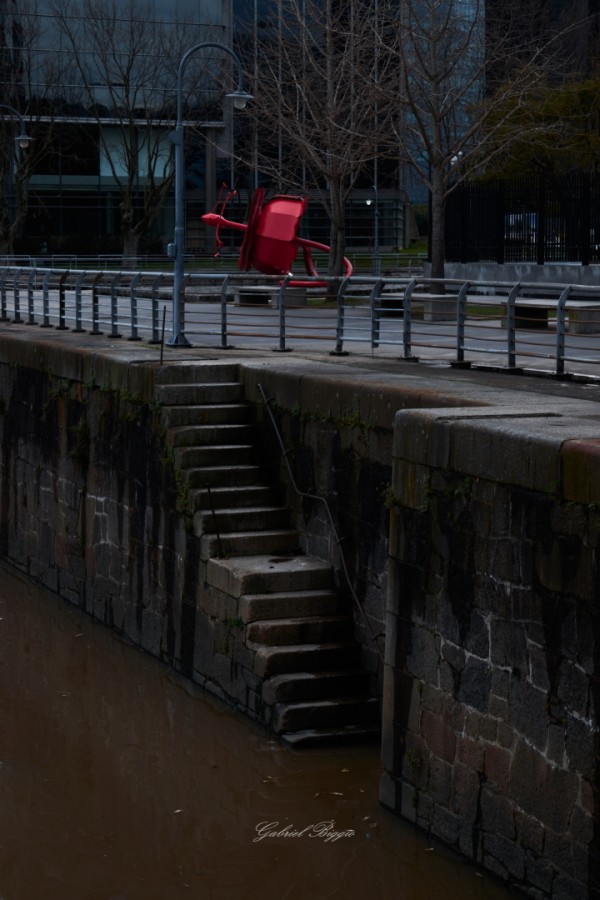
[{"x": 554, "y": 328}]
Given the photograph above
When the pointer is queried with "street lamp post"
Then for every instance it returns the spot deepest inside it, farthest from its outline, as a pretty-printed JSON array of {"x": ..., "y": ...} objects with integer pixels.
[
  {"x": 177, "y": 247},
  {"x": 376, "y": 249},
  {"x": 22, "y": 140}
]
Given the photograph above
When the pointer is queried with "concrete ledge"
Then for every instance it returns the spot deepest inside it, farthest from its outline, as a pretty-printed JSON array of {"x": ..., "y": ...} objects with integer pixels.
[{"x": 514, "y": 446}]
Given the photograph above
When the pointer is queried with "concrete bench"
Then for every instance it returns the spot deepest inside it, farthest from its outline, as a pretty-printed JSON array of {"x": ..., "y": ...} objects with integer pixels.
[
  {"x": 435, "y": 307},
  {"x": 583, "y": 316},
  {"x": 268, "y": 295}
]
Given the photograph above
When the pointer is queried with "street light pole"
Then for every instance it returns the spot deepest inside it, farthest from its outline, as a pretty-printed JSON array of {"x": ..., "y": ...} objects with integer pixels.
[
  {"x": 22, "y": 140},
  {"x": 177, "y": 248},
  {"x": 377, "y": 266}
]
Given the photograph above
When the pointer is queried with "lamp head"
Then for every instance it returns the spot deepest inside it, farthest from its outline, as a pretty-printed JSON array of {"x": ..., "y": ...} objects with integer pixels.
[
  {"x": 240, "y": 99},
  {"x": 23, "y": 140}
]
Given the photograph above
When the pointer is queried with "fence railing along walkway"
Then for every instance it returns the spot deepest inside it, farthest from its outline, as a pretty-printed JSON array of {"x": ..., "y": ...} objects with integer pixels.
[{"x": 554, "y": 328}]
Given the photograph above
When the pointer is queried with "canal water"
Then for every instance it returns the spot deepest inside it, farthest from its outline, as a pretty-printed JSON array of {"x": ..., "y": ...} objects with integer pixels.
[{"x": 119, "y": 783}]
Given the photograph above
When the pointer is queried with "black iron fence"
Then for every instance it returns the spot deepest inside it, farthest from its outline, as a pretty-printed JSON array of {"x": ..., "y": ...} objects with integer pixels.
[
  {"x": 554, "y": 328},
  {"x": 530, "y": 219}
]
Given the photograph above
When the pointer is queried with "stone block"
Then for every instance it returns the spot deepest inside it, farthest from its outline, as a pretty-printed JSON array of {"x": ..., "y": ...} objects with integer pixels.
[
  {"x": 475, "y": 683},
  {"x": 541, "y": 789},
  {"x": 439, "y": 736},
  {"x": 440, "y": 781},
  {"x": 497, "y": 814},
  {"x": 465, "y": 793},
  {"x": 527, "y": 711},
  {"x": 580, "y": 745},
  {"x": 510, "y": 856},
  {"x": 497, "y": 763}
]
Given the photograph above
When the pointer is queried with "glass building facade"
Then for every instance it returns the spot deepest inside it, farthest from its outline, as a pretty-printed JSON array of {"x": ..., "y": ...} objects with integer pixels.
[
  {"x": 83, "y": 74},
  {"x": 376, "y": 210}
]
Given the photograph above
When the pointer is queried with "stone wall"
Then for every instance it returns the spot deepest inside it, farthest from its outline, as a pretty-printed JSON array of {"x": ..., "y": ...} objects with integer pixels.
[
  {"x": 491, "y": 688},
  {"x": 492, "y": 685}
]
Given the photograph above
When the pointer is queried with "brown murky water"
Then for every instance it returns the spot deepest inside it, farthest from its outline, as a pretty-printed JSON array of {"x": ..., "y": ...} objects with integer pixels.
[{"x": 116, "y": 783}]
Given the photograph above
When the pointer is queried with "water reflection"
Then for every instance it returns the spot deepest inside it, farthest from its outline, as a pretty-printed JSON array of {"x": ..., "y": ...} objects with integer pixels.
[{"x": 116, "y": 783}]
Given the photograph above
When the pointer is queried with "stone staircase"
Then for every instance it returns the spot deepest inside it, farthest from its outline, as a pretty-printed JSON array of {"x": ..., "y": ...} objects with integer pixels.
[{"x": 300, "y": 639}]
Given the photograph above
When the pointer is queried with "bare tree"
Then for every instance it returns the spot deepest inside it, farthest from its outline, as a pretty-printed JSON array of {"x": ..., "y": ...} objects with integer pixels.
[
  {"x": 463, "y": 79},
  {"x": 318, "y": 122},
  {"x": 28, "y": 87},
  {"x": 124, "y": 66}
]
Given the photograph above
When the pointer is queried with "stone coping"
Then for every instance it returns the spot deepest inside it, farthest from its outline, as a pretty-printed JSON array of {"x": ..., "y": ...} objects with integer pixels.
[{"x": 537, "y": 433}]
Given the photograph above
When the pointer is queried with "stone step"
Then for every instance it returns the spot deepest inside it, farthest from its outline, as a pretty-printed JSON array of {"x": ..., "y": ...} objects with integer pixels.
[
  {"x": 289, "y": 717},
  {"x": 189, "y": 371},
  {"x": 222, "y": 476},
  {"x": 300, "y": 630},
  {"x": 201, "y": 435},
  {"x": 242, "y": 496},
  {"x": 270, "y": 661},
  {"x": 207, "y": 414},
  {"x": 286, "y": 604},
  {"x": 322, "y": 737},
  {"x": 214, "y": 454},
  {"x": 188, "y": 394},
  {"x": 250, "y": 518},
  {"x": 260, "y": 574},
  {"x": 243, "y": 544},
  {"x": 309, "y": 686}
]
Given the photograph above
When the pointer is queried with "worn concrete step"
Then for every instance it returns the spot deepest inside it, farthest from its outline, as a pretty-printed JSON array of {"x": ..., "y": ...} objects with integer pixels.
[
  {"x": 257, "y": 518},
  {"x": 188, "y": 394},
  {"x": 241, "y": 496},
  {"x": 309, "y": 686},
  {"x": 300, "y": 630},
  {"x": 207, "y": 414},
  {"x": 214, "y": 454},
  {"x": 269, "y": 574},
  {"x": 201, "y": 435},
  {"x": 286, "y": 604},
  {"x": 325, "y": 714},
  {"x": 322, "y": 737},
  {"x": 243, "y": 544},
  {"x": 192, "y": 371},
  {"x": 303, "y": 657},
  {"x": 222, "y": 476}
]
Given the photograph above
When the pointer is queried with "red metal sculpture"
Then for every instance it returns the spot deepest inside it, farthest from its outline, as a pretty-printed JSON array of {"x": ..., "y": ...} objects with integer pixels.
[{"x": 271, "y": 241}]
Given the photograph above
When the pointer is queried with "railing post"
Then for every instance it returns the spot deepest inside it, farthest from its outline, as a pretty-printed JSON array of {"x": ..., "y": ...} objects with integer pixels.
[
  {"x": 17, "y": 299},
  {"x": 224, "y": 296},
  {"x": 114, "y": 308},
  {"x": 461, "y": 318},
  {"x": 561, "y": 313},
  {"x": 339, "y": 328},
  {"x": 281, "y": 300},
  {"x": 61, "y": 302},
  {"x": 95, "y": 305},
  {"x": 30, "y": 297},
  {"x": 407, "y": 320},
  {"x": 3, "y": 312},
  {"x": 154, "y": 311},
  {"x": 511, "y": 325},
  {"x": 46, "y": 300},
  {"x": 78, "y": 315},
  {"x": 133, "y": 306},
  {"x": 376, "y": 312}
]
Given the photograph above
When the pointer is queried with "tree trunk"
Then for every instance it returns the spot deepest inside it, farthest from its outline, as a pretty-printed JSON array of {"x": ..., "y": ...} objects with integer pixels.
[
  {"x": 337, "y": 232},
  {"x": 437, "y": 225},
  {"x": 131, "y": 243}
]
